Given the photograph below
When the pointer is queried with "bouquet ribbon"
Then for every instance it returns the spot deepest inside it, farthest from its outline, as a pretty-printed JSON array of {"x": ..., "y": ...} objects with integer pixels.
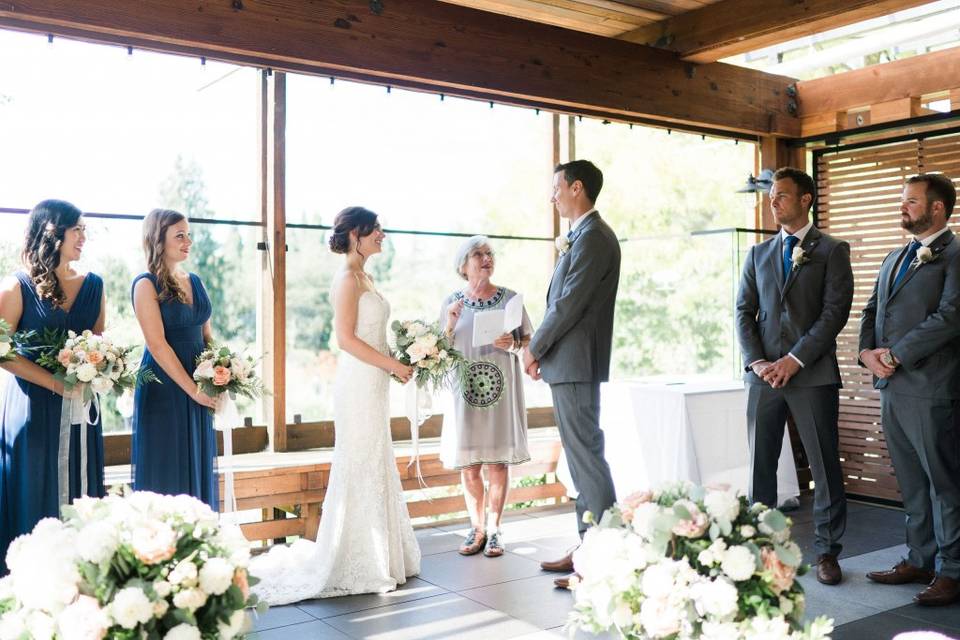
[
  {"x": 226, "y": 417},
  {"x": 74, "y": 410},
  {"x": 417, "y": 399}
]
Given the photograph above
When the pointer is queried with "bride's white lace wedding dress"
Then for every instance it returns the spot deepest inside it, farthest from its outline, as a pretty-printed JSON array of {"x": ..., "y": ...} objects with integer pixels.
[{"x": 365, "y": 543}]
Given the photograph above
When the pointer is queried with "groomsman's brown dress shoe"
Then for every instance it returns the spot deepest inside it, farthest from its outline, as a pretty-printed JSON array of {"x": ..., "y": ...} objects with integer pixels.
[
  {"x": 828, "y": 569},
  {"x": 563, "y": 565},
  {"x": 942, "y": 591},
  {"x": 564, "y": 582},
  {"x": 902, "y": 573}
]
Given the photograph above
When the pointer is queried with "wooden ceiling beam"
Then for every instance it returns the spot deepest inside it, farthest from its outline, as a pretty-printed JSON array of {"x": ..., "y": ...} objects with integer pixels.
[
  {"x": 881, "y": 83},
  {"x": 731, "y": 27},
  {"x": 435, "y": 46}
]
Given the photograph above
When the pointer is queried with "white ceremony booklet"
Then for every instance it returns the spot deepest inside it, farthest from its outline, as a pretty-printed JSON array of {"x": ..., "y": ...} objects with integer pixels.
[{"x": 490, "y": 325}]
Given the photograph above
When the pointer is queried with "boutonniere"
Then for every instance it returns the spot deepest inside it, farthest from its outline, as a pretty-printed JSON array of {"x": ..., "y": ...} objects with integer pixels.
[
  {"x": 562, "y": 244},
  {"x": 925, "y": 255},
  {"x": 799, "y": 258}
]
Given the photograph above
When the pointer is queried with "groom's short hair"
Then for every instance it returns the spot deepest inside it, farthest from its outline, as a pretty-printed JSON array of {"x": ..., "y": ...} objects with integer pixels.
[{"x": 586, "y": 172}]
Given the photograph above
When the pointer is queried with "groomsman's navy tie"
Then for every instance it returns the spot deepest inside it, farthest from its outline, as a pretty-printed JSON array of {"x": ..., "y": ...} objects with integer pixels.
[
  {"x": 788, "y": 244},
  {"x": 907, "y": 261}
]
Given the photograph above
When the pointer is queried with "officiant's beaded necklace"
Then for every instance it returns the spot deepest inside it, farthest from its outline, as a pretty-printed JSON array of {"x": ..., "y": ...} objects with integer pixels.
[{"x": 480, "y": 303}]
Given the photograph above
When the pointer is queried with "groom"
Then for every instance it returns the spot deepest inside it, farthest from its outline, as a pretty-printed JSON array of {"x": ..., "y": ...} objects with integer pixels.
[{"x": 571, "y": 349}]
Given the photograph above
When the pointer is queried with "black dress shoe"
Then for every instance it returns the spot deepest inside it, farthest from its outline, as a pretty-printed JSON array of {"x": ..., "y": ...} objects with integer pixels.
[{"x": 828, "y": 569}]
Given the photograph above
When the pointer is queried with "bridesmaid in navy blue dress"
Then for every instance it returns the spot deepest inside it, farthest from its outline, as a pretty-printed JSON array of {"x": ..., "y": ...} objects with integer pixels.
[
  {"x": 49, "y": 294},
  {"x": 174, "y": 446}
]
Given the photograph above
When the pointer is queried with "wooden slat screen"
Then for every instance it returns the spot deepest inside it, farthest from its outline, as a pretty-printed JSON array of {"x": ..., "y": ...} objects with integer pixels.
[{"x": 859, "y": 201}]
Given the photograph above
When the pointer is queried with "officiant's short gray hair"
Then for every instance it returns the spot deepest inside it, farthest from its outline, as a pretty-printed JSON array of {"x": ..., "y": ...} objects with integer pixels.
[{"x": 463, "y": 253}]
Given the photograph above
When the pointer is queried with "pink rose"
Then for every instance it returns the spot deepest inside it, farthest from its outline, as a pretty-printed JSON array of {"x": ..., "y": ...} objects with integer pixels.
[
  {"x": 781, "y": 575},
  {"x": 64, "y": 356},
  {"x": 240, "y": 579},
  {"x": 94, "y": 357},
  {"x": 221, "y": 376},
  {"x": 632, "y": 501},
  {"x": 154, "y": 542},
  {"x": 695, "y": 526}
]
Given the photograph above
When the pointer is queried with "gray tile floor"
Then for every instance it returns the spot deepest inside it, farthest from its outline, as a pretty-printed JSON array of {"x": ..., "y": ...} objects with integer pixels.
[{"x": 510, "y": 597}]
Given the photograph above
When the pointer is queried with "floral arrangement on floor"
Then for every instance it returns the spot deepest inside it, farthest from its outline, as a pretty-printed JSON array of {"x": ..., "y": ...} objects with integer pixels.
[
  {"x": 430, "y": 352},
  {"x": 94, "y": 364},
  {"x": 222, "y": 370},
  {"x": 141, "y": 565},
  {"x": 685, "y": 562}
]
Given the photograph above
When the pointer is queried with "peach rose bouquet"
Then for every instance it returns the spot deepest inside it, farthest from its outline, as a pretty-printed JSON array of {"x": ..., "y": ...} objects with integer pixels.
[{"x": 221, "y": 370}]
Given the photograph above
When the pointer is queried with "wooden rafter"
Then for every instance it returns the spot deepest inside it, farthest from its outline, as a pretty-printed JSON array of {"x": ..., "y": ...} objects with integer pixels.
[
  {"x": 732, "y": 27},
  {"x": 898, "y": 80},
  {"x": 436, "y": 46}
]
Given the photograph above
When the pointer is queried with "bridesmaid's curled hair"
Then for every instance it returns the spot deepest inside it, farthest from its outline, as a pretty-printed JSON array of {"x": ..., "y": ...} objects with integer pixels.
[
  {"x": 155, "y": 227},
  {"x": 362, "y": 220},
  {"x": 46, "y": 227}
]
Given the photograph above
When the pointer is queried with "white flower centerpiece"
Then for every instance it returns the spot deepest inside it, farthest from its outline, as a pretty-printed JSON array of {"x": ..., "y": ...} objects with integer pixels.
[
  {"x": 686, "y": 562},
  {"x": 139, "y": 566}
]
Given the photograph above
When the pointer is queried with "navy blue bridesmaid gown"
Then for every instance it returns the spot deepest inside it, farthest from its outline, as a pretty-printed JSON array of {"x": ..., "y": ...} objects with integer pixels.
[
  {"x": 174, "y": 445},
  {"x": 30, "y": 427}
]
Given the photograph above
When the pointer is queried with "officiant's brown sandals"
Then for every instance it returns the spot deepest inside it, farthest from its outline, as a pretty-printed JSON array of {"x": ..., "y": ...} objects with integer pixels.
[{"x": 475, "y": 542}]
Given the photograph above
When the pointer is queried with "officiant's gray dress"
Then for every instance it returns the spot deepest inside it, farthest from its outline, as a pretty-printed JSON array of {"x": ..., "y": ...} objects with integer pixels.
[{"x": 489, "y": 423}]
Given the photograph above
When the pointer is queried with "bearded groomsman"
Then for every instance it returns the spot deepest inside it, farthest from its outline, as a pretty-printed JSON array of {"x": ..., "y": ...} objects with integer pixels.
[
  {"x": 910, "y": 341},
  {"x": 795, "y": 296}
]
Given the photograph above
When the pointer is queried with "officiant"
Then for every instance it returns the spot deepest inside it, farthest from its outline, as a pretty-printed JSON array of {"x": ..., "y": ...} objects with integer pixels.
[{"x": 488, "y": 430}]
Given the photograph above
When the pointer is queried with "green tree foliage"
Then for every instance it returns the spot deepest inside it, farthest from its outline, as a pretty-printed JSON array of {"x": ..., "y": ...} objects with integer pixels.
[{"x": 215, "y": 256}]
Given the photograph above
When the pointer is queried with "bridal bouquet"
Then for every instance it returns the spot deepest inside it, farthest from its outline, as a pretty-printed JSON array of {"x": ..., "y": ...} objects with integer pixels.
[
  {"x": 141, "y": 565},
  {"x": 686, "y": 562},
  {"x": 9, "y": 342},
  {"x": 429, "y": 351},
  {"x": 220, "y": 370},
  {"x": 92, "y": 363}
]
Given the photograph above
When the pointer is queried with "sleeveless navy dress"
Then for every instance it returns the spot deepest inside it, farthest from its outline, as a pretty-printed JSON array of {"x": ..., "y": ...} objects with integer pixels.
[
  {"x": 30, "y": 425},
  {"x": 174, "y": 445}
]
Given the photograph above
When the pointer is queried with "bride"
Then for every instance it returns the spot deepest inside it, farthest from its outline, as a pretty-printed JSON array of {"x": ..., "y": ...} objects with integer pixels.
[{"x": 365, "y": 543}]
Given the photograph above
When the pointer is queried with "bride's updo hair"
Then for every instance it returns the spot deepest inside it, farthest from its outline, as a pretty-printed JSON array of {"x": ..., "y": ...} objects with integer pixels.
[{"x": 362, "y": 220}]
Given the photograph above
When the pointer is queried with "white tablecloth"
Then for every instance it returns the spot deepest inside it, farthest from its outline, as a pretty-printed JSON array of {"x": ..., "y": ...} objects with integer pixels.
[{"x": 692, "y": 430}]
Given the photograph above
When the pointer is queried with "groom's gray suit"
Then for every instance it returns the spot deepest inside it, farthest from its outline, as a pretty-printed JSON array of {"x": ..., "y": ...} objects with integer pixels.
[
  {"x": 802, "y": 315},
  {"x": 573, "y": 347},
  {"x": 918, "y": 319}
]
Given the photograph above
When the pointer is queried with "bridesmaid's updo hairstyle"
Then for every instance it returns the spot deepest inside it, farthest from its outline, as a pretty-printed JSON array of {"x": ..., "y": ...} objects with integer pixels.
[
  {"x": 358, "y": 219},
  {"x": 155, "y": 227},
  {"x": 46, "y": 227}
]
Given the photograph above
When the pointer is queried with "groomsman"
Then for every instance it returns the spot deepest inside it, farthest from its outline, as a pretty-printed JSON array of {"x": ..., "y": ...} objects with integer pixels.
[
  {"x": 910, "y": 341},
  {"x": 571, "y": 349},
  {"x": 795, "y": 296}
]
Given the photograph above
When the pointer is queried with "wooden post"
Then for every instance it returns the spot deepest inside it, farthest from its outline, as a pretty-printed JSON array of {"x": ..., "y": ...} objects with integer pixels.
[
  {"x": 272, "y": 331},
  {"x": 555, "y": 160}
]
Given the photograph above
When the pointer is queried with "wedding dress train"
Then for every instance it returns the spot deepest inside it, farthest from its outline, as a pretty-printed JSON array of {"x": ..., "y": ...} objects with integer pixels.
[{"x": 365, "y": 543}]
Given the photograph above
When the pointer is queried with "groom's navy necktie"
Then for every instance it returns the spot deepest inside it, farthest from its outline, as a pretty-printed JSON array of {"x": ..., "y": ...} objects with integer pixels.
[
  {"x": 788, "y": 244},
  {"x": 907, "y": 261}
]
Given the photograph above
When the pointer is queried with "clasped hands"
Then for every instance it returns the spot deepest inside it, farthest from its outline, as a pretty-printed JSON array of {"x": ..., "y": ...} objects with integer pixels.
[
  {"x": 531, "y": 365},
  {"x": 881, "y": 362},
  {"x": 776, "y": 374}
]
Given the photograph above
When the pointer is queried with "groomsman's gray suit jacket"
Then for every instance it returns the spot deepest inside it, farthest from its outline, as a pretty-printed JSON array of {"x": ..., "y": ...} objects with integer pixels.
[
  {"x": 919, "y": 323},
  {"x": 573, "y": 342},
  {"x": 801, "y": 315}
]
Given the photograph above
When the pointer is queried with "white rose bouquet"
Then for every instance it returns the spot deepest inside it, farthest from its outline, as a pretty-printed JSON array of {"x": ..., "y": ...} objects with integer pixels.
[
  {"x": 686, "y": 562},
  {"x": 141, "y": 565},
  {"x": 222, "y": 370},
  {"x": 93, "y": 364},
  {"x": 430, "y": 352}
]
